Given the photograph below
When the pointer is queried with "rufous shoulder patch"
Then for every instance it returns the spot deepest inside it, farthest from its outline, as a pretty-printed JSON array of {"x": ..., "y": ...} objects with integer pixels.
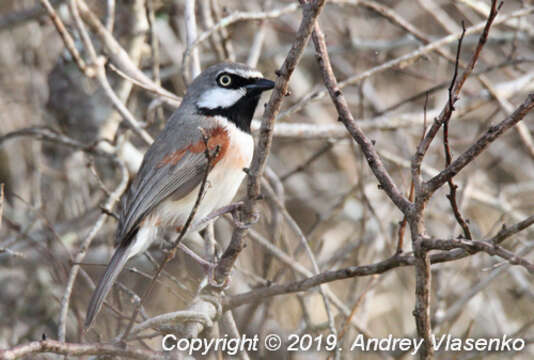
[{"x": 217, "y": 136}]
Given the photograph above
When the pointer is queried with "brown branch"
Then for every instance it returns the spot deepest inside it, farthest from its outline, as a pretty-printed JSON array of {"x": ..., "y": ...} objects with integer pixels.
[
  {"x": 67, "y": 38},
  {"x": 345, "y": 116},
  {"x": 476, "y": 245},
  {"x": 118, "y": 55},
  {"x": 72, "y": 349},
  {"x": 449, "y": 107},
  {"x": 448, "y": 156},
  {"x": 404, "y": 222},
  {"x": 311, "y": 10},
  {"x": 423, "y": 286},
  {"x": 474, "y": 150},
  {"x": 453, "y": 97},
  {"x": 395, "y": 261},
  {"x": 422, "y": 262}
]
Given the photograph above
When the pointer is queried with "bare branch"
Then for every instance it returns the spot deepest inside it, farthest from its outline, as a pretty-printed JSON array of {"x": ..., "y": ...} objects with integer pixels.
[
  {"x": 401, "y": 61},
  {"x": 190, "y": 72},
  {"x": 108, "y": 205},
  {"x": 67, "y": 38},
  {"x": 58, "y": 347},
  {"x": 395, "y": 261},
  {"x": 474, "y": 150},
  {"x": 311, "y": 11},
  {"x": 474, "y": 245},
  {"x": 345, "y": 116}
]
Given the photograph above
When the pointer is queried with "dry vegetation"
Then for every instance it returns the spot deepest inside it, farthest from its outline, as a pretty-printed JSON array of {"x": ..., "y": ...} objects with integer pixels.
[{"x": 407, "y": 193}]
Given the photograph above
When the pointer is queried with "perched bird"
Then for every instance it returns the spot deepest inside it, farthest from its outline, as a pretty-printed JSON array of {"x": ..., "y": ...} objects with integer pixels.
[{"x": 221, "y": 101}]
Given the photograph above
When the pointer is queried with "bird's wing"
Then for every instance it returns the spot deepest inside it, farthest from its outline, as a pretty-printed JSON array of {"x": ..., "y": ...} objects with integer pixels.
[{"x": 168, "y": 169}]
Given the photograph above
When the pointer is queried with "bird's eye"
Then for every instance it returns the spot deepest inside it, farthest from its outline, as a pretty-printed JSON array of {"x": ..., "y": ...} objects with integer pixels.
[{"x": 225, "y": 80}]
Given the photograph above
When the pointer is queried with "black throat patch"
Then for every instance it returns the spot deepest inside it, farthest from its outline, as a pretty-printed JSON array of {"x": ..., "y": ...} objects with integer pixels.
[{"x": 240, "y": 113}]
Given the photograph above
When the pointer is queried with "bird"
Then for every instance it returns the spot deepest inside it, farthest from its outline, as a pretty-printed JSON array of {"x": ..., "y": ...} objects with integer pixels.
[{"x": 219, "y": 105}]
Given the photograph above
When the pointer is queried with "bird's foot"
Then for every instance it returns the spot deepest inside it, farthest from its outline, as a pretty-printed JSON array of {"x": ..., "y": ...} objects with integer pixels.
[{"x": 244, "y": 225}]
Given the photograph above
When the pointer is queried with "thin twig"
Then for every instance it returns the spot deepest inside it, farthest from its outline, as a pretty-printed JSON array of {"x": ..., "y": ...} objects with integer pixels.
[
  {"x": 231, "y": 19},
  {"x": 323, "y": 150},
  {"x": 401, "y": 61},
  {"x": 116, "y": 53},
  {"x": 448, "y": 156},
  {"x": 474, "y": 150},
  {"x": 79, "y": 257},
  {"x": 449, "y": 107},
  {"x": 476, "y": 245},
  {"x": 67, "y": 38}
]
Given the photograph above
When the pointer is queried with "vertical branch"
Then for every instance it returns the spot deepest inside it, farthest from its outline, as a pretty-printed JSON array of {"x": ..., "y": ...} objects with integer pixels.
[
  {"x": 423, "y": 282},
  {"x": 191, "y": 35},
  {"x": 228, "y": 48},
  {"x": 423, "y": 192},
  {"x": 1, "y": 203},
  {"x": 448, "y": 156},
  {"x": 110, "y": 15},
  {"x": 311, "y": 10}
]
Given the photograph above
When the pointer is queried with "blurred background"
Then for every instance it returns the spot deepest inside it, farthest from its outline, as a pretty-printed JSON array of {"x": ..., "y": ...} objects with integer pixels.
[{"x": 54, "y": 194}]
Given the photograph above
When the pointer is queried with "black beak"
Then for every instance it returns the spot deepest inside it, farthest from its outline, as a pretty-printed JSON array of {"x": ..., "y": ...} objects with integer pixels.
[{"x": 259, "y": 85}]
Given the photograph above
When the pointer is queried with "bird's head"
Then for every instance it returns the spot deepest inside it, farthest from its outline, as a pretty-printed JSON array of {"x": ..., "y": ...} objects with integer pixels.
[{"x": 229, "y": 90}]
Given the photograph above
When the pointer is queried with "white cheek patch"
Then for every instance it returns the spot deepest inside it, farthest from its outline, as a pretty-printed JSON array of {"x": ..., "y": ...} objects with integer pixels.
[{"x": 220, "y": 98}]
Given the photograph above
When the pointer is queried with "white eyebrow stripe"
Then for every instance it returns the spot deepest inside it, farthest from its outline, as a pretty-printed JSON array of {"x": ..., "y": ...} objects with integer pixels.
[{"x": 247, "y": 74}]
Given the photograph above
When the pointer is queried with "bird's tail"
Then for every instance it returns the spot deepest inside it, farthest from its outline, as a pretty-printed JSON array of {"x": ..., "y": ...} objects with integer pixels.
[{"x": 117, "y": 262}]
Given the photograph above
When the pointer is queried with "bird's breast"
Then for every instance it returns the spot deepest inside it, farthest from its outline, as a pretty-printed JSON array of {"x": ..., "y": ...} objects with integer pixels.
[{"x": 240, "y": 149}]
